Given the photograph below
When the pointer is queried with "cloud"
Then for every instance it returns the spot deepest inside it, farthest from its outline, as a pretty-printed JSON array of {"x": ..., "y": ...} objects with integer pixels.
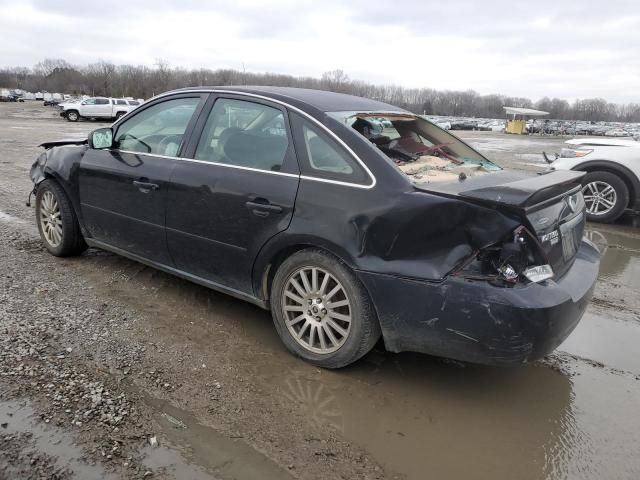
[{"x": 547, "y": 48}]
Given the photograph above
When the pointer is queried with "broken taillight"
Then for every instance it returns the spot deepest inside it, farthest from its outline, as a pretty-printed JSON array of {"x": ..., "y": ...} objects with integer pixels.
[{"x": 517, "y": 259}]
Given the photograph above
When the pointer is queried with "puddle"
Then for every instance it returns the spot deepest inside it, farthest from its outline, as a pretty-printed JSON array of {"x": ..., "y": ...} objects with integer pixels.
[
  {"x": 19, "y": 417},
  {"x": 606, "y": 340},
  {"x": 5, "y": 217},
  {"x": 208, "y": 455},
  {"x": 620, "y": 250},
  {"x": 417, "y": 415}
]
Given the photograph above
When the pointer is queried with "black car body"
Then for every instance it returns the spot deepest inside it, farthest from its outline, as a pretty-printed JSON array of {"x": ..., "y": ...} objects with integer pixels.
[{"x": 444, "y": 265}]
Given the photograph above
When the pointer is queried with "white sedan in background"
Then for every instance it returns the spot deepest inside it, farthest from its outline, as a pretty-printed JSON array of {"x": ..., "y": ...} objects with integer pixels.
[{"x": 612, "y": 184}]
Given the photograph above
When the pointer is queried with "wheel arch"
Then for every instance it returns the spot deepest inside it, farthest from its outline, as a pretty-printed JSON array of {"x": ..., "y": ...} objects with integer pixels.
[
  {"x": 626, "y": 175},
  {"x": 279, "y": 249},
  {"x": 48, "y": 173}
]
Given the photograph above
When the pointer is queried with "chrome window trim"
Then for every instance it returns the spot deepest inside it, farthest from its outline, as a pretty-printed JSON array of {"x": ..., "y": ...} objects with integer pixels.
[
  {"x": 193, "y": 160},
  {"x": 295, "y": 109}
]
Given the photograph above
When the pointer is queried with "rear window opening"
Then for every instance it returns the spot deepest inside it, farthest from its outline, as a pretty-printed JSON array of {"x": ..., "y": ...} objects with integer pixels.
[{"x": 424, "y": 152}]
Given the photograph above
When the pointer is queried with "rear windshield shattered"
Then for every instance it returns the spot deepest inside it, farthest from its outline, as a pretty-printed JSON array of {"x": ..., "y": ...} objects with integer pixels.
[{"x": 421, "y": 150}]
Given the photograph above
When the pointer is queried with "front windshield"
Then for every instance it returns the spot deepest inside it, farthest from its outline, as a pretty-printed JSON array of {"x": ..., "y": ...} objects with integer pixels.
[{"x": 418, "y": 148}]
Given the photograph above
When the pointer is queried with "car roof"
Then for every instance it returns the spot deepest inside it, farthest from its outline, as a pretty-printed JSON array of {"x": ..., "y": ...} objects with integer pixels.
[{"x": 319, "y": 99}]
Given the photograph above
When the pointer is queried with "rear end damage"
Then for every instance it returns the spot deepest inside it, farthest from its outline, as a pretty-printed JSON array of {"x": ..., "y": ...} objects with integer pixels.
[
  {"x": 481, "y": 321},
  {"x": 515, "y": 293}
]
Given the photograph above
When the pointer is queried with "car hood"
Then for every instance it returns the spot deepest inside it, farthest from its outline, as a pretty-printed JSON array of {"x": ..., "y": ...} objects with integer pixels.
[
  {"x": 604, "y": 142},
  {"x": 57, "y": 143}
]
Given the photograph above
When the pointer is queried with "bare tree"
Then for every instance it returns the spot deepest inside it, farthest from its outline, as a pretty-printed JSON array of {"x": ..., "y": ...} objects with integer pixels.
[{"x": 105, "y": 78}]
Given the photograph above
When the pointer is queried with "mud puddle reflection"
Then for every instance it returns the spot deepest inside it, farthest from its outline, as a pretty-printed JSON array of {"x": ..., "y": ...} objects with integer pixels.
[
  {"x": 198, "y": 452},
  {"x": 620, "y": 249},
  {"x": 418, "y": 415}
]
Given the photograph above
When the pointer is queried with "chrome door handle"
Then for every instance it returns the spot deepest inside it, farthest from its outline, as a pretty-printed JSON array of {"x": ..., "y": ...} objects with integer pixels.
[
  {"x": 263, "y": 208},
  {"x": 146, "y": 187}
]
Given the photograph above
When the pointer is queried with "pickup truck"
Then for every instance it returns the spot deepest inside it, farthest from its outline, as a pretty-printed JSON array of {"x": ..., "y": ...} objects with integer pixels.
[{"x": 98, "y": 108}]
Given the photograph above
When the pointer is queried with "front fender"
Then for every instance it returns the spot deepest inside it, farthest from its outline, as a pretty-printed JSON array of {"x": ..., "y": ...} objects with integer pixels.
[{"x": 61, "y": 163}]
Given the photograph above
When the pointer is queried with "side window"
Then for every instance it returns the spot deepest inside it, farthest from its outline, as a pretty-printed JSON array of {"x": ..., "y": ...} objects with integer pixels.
[
  {"x": 102, "y": 101},
  {"x": 322, "y": 157},
  {"x": 89, "y": 101},
  {"x": 120, "y": 102},
  {"x": 244, "y": 134},
  {"x": 158, "y": 129}
]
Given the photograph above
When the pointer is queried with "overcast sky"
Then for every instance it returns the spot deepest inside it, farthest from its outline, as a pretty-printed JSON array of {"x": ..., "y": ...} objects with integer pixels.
[{"x": 565, "y": 48}]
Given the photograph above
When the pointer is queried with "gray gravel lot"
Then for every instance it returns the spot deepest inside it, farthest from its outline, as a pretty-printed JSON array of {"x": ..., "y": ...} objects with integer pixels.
[{"x": 109, "y": 369}]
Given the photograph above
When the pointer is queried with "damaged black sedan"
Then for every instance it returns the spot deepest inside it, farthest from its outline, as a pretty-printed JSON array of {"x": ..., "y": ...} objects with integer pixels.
[{"x": 348, "y": 218}]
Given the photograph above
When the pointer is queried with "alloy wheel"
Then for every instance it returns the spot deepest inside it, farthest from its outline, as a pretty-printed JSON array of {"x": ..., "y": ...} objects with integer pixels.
[
  {"x": 50, "y": 219},
  {"x": 599, "y": 197},
  {"x": 317, "y": 310}
]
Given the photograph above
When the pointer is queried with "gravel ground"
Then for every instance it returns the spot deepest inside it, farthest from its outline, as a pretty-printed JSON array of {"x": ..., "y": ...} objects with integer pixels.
[{"x": 109, "y": 369}]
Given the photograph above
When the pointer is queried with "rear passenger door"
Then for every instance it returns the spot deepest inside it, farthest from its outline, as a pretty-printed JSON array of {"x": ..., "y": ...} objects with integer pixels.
[{"x": 236, "y": 192}]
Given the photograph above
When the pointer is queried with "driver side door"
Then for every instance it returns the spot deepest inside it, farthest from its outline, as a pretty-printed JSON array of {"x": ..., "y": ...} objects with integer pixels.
[{"x": 123, "y": 189}]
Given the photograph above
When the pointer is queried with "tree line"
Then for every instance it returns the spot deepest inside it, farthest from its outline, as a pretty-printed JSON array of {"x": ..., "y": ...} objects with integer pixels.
[{"x": 107, "y": 79}]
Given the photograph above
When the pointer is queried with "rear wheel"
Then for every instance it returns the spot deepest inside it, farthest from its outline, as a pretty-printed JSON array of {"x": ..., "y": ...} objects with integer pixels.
[
  {"x": 72, "y": 116},
  {"x": 606, "y": 196},
  {"x": 119, "y": 115},
  {"x": 321, "y": 310},
  {"x": 57, "y": 221}
]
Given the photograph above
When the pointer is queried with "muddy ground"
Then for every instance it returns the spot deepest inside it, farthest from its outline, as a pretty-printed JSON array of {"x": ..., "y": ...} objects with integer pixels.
[{"x": 109, "y": 369}]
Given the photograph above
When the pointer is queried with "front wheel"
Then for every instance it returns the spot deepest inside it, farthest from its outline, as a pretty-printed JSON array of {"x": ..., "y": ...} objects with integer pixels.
[
  {"x": 321, "y": 310},
  {"x": 606, "y": 196},
  {"x": 73, "y": 116},
  {"x": 57, "y": 221}
]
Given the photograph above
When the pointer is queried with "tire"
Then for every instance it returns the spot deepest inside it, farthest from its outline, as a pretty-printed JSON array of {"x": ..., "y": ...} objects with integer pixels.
[
  {"x": 67, "y": 240},
  {"x": 72, "y": 116},
  {"x": 600, "y": 187},
  {"x": 119, "y": 115},
  {"x": 340, "y": 346}
]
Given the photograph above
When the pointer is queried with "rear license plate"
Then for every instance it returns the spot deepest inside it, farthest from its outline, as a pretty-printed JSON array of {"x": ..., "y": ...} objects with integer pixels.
[{"x": 571, "y": 233}]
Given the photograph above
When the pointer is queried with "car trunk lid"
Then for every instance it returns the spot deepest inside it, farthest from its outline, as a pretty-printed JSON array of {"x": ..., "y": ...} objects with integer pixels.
[{"x": 550, "y": 205}]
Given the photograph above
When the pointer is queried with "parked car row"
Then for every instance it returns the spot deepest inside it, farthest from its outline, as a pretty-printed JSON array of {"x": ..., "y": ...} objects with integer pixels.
[
  {"x": 541, "y": 126},
  {"x": 482, "y": 124},
  {"x": 7, "y": 95},
  {"x": 561, "y": 127}
]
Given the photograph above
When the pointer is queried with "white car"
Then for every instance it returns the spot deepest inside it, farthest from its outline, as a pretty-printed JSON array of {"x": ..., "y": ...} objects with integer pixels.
[
  {"x": 616, "y": 132},
  {"x": 612, "y": 183},
  {"x": 97, "y": 107}
]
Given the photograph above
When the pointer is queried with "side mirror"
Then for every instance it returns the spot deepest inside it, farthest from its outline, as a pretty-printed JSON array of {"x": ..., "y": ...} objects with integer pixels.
[{"x": 101, "y": 138}]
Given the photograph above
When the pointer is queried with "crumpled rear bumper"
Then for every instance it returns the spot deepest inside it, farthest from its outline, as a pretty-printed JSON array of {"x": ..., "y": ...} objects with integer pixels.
[{"x": 477, "y": 322}]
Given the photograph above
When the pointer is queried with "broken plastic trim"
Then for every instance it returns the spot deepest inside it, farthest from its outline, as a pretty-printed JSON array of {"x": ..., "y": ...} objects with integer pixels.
[{"x": 517, "y": 258}]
